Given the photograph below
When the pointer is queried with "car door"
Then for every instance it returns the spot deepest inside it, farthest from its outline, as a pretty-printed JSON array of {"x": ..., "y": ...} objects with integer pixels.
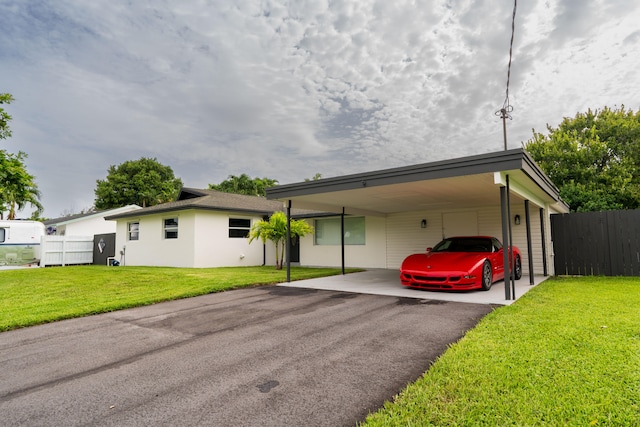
[{"x": 497, "y": 259}]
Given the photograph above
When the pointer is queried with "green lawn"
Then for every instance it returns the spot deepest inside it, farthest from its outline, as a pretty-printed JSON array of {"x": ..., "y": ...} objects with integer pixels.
[
  {"x": 566, "y": 353},
  {"x": 40, "y": 295}
]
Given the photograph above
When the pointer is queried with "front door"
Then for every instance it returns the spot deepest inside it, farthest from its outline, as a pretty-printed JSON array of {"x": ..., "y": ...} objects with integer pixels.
[{"x": 295, "y": 249}]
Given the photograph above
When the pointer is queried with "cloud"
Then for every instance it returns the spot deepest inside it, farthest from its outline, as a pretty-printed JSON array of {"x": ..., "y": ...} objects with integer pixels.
[{"x": 286, "y": 89}]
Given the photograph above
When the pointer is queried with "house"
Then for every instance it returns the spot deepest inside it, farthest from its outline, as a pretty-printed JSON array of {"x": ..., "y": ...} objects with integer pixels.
[
  {"x": 390, "y": 214},
  {"x": 386, "y": 215},
  {"x": 201, "y": 228},
  {"x": 88, "y": 224}
]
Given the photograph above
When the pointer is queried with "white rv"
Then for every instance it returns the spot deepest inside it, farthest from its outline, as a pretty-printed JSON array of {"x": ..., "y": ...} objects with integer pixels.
[{"x": 20, "y": 243}]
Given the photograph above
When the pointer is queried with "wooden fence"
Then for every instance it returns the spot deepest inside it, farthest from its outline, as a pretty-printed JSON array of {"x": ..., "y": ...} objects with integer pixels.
[{"x": 597, "y": 243}]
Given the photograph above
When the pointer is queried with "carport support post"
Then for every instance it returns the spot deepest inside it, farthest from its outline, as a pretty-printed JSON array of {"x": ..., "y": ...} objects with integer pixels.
[
  {"x": 505, "y": 239},
  {"x": 507, "y": 267},
  {"x": 529, "y": 248},
  {"x": 342, "y": 238},
  {"x": 289, "y": 241},
  {"x": 544, "y": 244}
]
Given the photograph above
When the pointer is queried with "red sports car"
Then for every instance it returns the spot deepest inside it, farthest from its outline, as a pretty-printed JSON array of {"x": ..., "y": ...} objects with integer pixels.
[{"x": 459, "y": 264}]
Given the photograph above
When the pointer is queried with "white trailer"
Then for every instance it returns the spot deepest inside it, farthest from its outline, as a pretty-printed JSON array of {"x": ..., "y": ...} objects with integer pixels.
[{"x": 20, "y": 243}]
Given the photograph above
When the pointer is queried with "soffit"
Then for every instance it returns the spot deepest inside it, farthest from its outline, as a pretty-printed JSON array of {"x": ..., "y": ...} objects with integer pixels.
[
  {"x": 438, "y": 194},
  {"x": 457, "y": 184}
]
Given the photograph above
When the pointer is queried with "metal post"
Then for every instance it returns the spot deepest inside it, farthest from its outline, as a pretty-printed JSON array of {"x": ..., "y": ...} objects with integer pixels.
[
  {"x": 507, "y": 266},
  {"x": 289, "y": 241},
  {"x": 342, "y": 237},
  {"x": 505, "y": 238},
  {"x": 544, "y": 244},
  {"x": 504, "y": 115},
  {"x": 529, "y": 246}
]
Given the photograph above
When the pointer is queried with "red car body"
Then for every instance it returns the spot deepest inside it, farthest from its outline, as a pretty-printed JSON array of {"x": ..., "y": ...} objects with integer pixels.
[{"x": 461, "y": 263}]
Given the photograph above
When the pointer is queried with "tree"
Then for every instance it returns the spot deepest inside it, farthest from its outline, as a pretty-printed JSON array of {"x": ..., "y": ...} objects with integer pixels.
[
  {"x": 315, "y": 177},
  {"x": 5, "y": 132},
  {"x": 144, "y": 182},
  {"x": 275, "y": 229},
  {"x": 17, "y": 187},
  {"x": 593, "y": 159},
  {"x": 244, "y": 184}
]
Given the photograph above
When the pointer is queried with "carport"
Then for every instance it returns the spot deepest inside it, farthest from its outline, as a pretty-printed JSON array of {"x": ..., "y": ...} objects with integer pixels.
[{"x": 500, "y": 180}]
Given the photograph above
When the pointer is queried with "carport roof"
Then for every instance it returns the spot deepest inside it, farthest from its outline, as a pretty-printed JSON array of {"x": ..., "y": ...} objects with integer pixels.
[{"x": 448, "y": 184}]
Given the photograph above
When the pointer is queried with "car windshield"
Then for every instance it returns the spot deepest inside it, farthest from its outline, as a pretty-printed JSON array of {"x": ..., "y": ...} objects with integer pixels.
[{"x": 465, "y": 244}]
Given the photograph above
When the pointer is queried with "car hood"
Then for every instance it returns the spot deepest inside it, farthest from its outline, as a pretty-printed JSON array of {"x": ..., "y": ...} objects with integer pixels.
[{"x": 444, "y": 260}]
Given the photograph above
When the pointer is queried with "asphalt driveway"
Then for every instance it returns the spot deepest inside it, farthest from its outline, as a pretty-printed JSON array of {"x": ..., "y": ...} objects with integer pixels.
[{"x": 266, "y": 356}]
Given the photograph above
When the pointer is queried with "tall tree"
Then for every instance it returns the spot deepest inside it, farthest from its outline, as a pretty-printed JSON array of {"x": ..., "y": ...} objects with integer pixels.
[
  {"x": 144, "y": 182},
  {"x": 593, "y": 159},
  {"x": 244, "y": 184},
  {"x": 17, "y": 187},
  {"x": 275, "y": 229},
  {"x": 5, "y": 132}
]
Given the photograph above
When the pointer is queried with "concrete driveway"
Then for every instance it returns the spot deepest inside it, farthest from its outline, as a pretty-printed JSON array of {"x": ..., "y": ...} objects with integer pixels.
[
  {"x": 265, "y": 356},
  {"x": 387, "y": 282}
]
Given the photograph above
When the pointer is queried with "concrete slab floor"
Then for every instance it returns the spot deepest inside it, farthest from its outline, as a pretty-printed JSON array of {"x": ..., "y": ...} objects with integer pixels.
[{"x": 387, "y": 282}]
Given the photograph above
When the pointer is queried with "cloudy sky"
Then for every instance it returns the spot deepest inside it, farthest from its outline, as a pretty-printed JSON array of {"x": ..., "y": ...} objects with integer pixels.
[{"x": 287, "y": 89}]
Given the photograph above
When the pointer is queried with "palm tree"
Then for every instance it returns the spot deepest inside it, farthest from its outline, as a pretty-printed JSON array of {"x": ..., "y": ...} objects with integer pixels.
[
  {"x": 275, "y": 229},
  {"x": 17, "y": 186}
]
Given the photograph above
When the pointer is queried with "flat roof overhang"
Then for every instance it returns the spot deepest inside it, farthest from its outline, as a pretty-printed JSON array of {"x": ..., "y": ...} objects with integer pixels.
[{"x": 450, "y": 184}]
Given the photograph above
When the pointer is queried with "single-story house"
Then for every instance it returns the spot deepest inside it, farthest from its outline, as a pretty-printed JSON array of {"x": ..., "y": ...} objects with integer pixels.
[
  {"x": 386, "y": 215},
  {"x": 87, "y": 224},
  {"x": 201, "y": 228},
  {"x": 389, "y": 214}
]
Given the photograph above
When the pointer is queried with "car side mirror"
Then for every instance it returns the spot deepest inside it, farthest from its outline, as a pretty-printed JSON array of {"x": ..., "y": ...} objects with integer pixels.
[{"x": 429, "y": 249}]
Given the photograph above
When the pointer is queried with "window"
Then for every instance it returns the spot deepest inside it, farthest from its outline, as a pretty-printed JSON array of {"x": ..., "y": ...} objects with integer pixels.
[
  {"x": 2, "y": 235},
  {"x": 171, "y": 228},
  {"x": 239, "y": 228},
  {"x": 327, "y": 231},
  {"x": 133, "y": 230}
]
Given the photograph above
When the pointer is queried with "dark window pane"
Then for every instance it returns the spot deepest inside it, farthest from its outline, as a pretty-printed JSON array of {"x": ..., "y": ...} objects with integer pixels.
[
  {"x": 171, "y": 222},
  {"x": 238, "y": 232},
  {"x": 239, "y": 223}
]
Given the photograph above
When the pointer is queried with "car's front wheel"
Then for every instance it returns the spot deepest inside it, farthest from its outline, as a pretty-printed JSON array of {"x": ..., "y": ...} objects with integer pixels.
[
  {"x": 487, "y": 276},
  {"x": 517, "y": 268}
]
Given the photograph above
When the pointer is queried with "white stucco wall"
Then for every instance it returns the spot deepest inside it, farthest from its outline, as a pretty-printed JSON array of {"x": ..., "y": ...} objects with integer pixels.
[
  {"x": 214, "y": 247},
  {"x": 152, "y": 249},
  {"x": 203, "y": 241}
]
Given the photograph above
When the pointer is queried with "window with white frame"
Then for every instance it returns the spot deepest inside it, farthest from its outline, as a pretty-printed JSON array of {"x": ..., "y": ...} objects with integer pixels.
[
  {"x": 133, "y": 230},
  {"x": 171, "y": 228},
  {"x": 239, "y": 227},
  {"x": 327, "y": 231}
]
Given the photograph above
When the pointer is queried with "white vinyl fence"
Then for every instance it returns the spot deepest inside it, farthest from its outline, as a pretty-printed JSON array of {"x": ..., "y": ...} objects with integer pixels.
[{"x": 66, "y": 250}]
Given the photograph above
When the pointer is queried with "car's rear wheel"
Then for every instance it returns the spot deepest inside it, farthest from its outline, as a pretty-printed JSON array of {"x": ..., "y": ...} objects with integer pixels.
[
  {"x": 517, "y": 268},
  {"x": 487, "y": 276}
]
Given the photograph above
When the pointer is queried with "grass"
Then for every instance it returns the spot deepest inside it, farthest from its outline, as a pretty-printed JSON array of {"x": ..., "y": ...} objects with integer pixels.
[
  {"x": 566, "y": 353},
  {"x": 40, "y": 295}
]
